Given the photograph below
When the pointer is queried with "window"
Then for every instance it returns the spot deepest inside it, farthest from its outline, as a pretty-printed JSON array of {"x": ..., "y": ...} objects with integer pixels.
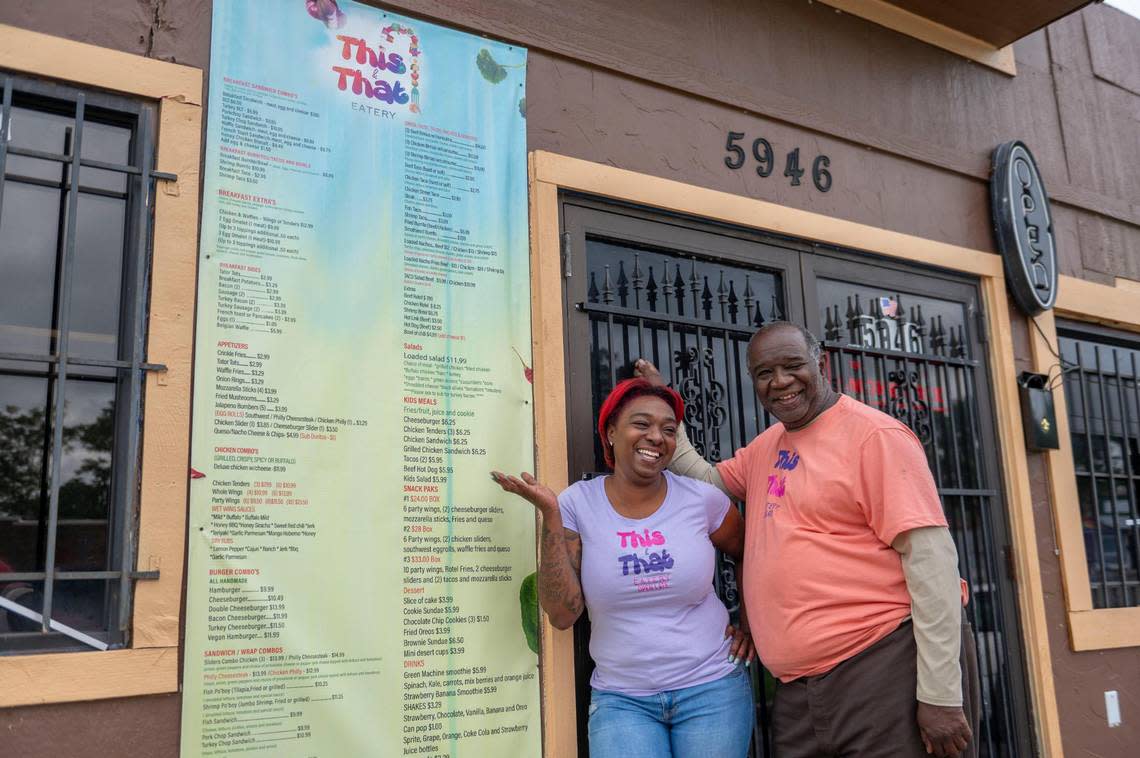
[
  {"x": 1103, "y": 399},
  {"x": 74, "y": 241}
]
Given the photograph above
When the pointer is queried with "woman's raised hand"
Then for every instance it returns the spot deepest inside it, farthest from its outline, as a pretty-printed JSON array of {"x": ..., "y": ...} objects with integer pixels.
[{"x": 528, "y": 488}]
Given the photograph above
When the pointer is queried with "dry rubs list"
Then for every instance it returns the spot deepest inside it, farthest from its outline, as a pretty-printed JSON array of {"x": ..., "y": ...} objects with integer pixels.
[{"x": 361, "y": 363}]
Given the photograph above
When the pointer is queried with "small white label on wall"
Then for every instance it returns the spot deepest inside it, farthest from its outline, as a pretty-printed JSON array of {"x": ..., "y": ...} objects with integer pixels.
[{"x": 1112, "y": 708}]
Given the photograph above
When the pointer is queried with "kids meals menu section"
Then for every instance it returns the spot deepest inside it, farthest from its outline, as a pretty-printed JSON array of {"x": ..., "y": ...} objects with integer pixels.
[{"x": 358, "y": 586}]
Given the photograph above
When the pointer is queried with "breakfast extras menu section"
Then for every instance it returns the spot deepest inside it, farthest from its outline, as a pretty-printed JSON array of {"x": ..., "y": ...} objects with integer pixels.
[{"x": 357, "y": 583}]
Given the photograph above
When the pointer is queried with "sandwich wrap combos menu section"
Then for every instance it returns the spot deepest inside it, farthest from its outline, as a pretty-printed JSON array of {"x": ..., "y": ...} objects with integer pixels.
[{"x": 358, "y": 586}]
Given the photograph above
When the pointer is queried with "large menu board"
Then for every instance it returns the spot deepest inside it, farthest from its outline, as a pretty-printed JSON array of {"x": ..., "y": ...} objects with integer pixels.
[{"x": 357, "y": 583}]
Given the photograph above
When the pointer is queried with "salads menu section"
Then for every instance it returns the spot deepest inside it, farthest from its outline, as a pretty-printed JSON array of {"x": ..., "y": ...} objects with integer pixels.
[{"x": 361, "y": 365}]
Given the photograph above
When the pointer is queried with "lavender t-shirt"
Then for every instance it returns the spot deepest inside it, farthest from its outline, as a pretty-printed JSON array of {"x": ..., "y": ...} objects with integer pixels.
[{"x": 655, "y": 622}]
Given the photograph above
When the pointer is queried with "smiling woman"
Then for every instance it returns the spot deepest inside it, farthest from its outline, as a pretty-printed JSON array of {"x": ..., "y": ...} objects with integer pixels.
[
  {"x": 666, "y": 412},
  {"x": 637, "y": 549}
]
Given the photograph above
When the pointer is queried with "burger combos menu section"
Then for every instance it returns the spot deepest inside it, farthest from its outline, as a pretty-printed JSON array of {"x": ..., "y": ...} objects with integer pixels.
[{"x": 357, "y": 583}]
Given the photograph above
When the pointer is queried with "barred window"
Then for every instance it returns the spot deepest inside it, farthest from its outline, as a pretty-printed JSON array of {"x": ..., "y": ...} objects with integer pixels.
[
  {"x": 74, "y": 239},
  {"x": 1103, "y": 397}
]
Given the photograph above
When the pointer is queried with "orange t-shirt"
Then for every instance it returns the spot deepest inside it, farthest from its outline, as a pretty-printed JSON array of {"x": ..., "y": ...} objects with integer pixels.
[{"x": 824, "y": 503}]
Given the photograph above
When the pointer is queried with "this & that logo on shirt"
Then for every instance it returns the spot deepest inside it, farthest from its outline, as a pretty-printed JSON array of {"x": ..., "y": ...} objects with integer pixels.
[
  {"x": 649, "y": 567},
  {"x": 786, "y": 460}
]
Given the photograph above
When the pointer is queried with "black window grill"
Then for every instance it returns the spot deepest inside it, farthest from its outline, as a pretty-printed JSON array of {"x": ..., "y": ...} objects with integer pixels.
[
  {"x": 1101, "y": 370},
  {"x": 77, "y": 170}
]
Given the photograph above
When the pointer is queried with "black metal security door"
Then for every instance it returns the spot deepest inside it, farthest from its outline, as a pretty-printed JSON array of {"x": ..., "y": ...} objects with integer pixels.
[
  {"x": 689, "y": 295},
  {"x": 909, "y": 344}
]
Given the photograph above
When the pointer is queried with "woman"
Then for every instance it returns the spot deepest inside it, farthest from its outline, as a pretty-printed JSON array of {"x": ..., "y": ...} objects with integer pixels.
[{"x": 637, "y": 549}]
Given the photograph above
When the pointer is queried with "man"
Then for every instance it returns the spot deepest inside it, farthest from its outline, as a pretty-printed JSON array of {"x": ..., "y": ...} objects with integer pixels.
[{"x": 849, "y": 566}]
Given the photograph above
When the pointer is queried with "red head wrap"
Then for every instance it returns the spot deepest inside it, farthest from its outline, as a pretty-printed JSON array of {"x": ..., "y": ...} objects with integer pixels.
[{"x": 622, "y": 394}]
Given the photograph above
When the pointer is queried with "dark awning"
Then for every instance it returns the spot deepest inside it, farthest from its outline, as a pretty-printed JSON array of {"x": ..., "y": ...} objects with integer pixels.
[
  {"x": 998, "y": 23},
  {"x": 981, "y": 30}
]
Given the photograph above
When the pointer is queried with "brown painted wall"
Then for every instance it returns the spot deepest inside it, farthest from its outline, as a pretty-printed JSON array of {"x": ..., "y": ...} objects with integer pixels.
[
  {"x": 139, "y": 727},
  {"x": 654, "y": 86},
  {"x": 171, "y": 30}
]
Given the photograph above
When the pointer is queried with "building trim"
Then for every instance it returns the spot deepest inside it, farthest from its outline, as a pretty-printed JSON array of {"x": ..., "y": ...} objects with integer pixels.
[
  {"x": 80, "y": 64},
  {"x": 931, "y": 32},
  {"x": 1116, "y": 306},
  {"x": 151, "y": 665},
  {"x": 551, "y": 172},
  {"x": 1110, "y": 305},
  {"x": 1104, "y": 628},
  {"x": 551, "y": 435},
  {"x": 67, "y": 677}
]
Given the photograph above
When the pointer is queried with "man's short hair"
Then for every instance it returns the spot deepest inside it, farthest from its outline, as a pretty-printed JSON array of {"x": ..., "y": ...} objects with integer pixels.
[{"x": 815, "y": 350}]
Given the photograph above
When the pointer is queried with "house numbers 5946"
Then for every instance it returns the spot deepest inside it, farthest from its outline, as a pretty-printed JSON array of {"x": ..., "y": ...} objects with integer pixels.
[{"x": 765, "y": 160}]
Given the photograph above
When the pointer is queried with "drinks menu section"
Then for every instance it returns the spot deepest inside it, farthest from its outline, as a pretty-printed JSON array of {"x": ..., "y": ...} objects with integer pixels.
[{"x": 354, "y": 575}]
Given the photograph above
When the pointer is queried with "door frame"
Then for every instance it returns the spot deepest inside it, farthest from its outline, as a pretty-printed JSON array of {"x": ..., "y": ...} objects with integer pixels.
[{"x": 551, "y": 173}]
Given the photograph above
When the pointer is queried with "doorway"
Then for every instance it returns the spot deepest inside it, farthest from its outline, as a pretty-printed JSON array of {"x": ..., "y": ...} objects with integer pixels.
[{"x": 688, "y": 294}]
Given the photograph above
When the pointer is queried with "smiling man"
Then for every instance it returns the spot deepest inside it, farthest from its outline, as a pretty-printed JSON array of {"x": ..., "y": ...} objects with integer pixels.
[{"x": 849, "y": 566}]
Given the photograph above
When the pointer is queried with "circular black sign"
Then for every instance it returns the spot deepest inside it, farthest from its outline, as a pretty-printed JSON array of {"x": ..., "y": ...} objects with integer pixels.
[{"x": 1023, "y": 226}]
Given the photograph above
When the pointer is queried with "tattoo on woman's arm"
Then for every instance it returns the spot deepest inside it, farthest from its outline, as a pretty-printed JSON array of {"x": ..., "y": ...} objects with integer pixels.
[
  {"x": 558, "y": 582},
  {"x": 573, "y": 550}
]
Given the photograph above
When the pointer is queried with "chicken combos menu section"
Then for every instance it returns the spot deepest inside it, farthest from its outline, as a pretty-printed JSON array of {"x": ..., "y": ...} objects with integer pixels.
[{"x": 357, "y": 583}]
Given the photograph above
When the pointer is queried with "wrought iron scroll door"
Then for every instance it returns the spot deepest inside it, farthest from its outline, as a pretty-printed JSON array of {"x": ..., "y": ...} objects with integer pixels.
[{"x": 689, "y": 295}]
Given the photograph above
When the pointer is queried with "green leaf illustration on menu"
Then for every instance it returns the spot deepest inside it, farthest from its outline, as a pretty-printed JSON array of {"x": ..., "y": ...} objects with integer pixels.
[
  {"x": 495, "y": 72},
  {"x": 491, "y": 70},
  {"x": 528, "y": 602}
]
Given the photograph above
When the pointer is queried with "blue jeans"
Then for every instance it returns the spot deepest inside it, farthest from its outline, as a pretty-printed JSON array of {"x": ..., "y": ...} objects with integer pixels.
[{"x": 711, "y": 720}]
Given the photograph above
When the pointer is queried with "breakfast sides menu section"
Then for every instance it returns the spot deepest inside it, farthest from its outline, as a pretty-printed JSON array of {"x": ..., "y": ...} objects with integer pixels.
[{"x": 356, "y": 580}]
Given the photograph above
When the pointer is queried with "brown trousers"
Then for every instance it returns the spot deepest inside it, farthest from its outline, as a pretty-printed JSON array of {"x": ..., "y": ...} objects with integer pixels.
[{"x": 865, "y": 707}]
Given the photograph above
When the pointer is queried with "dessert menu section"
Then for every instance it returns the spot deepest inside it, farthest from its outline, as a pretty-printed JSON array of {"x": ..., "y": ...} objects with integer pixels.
[{"x": 361, "y": 365}]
